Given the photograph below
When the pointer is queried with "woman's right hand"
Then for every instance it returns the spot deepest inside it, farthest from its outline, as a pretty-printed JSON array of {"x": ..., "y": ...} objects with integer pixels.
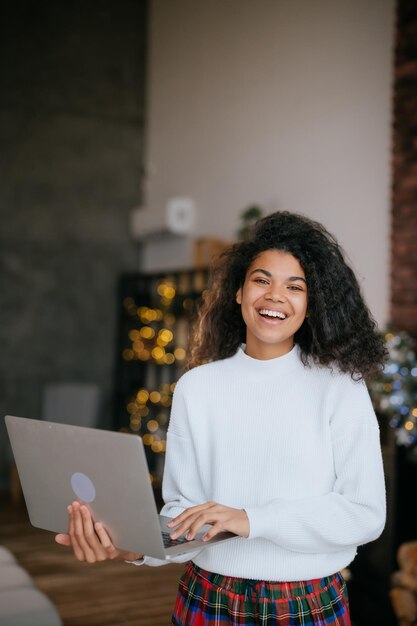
[{"x": 89, "y": 541}]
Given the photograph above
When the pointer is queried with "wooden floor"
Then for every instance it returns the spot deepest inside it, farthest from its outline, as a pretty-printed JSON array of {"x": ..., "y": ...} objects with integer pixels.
[{"x": 104, "y": 594}]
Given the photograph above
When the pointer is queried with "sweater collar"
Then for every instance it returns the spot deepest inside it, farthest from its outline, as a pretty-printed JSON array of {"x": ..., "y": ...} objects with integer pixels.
[{"x": 280, "y": 364}]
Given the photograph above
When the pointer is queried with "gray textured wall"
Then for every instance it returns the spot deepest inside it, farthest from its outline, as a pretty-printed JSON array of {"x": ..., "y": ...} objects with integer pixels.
[{"x": 71, "y": 143}]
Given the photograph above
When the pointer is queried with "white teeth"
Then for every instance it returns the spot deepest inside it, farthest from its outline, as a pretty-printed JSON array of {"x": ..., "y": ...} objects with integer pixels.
[{"x": 269, "y": 313}]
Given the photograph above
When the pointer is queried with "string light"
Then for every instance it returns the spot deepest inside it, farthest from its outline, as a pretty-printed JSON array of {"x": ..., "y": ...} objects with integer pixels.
[
  {"x": 128, "y": 354},
  {"x": 155, "y": 397},
  {"x": 158, "y": 353},
  {"x": 152, "y": 426},
  {"x": 179, "y": 354},
  {"x": 394, "y": 391},
  {"x": 142, "y": 396},
  {"x": 158, "y": 336},
  {"x": 147, "y": 332}
]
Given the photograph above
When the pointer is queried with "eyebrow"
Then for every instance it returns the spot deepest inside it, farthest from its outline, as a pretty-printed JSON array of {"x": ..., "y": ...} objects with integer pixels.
[{"x": 290, "y": 278}]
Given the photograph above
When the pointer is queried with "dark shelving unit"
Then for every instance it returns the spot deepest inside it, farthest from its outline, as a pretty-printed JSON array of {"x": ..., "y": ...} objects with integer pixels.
[{"x": 155, "y": 312}]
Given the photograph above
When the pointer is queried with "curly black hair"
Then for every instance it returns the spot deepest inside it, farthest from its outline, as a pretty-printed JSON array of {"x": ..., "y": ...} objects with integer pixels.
[{"x": 339, "y": 331}]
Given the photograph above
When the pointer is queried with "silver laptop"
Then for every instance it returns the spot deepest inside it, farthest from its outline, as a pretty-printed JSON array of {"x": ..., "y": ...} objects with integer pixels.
[{"x": 59, "y": 463}]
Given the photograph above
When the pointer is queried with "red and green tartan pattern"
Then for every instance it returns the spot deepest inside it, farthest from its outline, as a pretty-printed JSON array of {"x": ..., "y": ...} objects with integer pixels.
[{"x": 206, "y": 599}]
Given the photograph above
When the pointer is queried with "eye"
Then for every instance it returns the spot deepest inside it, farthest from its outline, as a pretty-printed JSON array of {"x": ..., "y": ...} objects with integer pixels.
[
  {"x": 261, "y": 281},
  {"x": 295, "y": 288}
]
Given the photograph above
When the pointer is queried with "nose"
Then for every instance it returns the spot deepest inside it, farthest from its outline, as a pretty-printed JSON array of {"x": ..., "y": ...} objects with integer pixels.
[{"x": 276, "y": 293}]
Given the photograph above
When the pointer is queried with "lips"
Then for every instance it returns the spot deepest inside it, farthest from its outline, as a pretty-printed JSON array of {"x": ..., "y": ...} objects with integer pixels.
[{"x": 272, "y": 314}]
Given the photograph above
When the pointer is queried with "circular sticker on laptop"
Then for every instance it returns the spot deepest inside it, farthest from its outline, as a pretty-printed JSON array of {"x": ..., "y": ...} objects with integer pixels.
[{"x": 83, "y": 487}]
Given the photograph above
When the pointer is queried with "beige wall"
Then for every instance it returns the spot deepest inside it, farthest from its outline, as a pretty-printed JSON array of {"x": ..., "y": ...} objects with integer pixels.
[{"x": 285, "y": 103}]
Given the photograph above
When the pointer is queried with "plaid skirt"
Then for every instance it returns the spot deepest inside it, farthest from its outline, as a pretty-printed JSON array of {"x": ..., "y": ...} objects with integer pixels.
[{"x": 206, "y": 599}]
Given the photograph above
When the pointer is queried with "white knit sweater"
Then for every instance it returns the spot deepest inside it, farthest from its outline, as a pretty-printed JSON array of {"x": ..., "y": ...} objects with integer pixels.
[{"x": 297, "y": 447}]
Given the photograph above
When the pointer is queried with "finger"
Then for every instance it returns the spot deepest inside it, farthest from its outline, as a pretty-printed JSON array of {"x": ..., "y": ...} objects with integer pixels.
[
  {"x": 88, "y": 528},
  {"x": 202, "y": 520},
  {"x": 191, "y": 526},
  {"x": 79, "y": 533},
  {"x": 91, "y": 537},
  {"x": 183, "y": 528},
  {"x": 79, "y": 554},
  {"x": 190, "y": 511},
  {"x": 63, "y": 540},
  {"x": 214, "y": 530},
  {"x": 105, "y": 541}
]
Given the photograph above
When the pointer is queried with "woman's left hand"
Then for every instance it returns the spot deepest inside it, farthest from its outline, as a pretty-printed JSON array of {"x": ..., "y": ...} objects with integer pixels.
[{"x": 221, "y": 518}]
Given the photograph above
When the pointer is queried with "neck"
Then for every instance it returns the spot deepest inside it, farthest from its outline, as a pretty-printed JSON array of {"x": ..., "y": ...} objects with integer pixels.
[{"x": 265, "y": 351}]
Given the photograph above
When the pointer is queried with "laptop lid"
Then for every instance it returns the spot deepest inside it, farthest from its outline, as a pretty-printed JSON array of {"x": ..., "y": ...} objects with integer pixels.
[{"x": 60, "y": 463}]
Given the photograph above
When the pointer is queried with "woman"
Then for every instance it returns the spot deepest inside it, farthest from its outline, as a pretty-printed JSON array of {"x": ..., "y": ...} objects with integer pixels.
[{"x": 272, "y": 436}]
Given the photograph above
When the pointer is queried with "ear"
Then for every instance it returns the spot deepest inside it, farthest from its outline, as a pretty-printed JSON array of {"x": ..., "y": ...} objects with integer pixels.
[{"x": 239, "y": 295}]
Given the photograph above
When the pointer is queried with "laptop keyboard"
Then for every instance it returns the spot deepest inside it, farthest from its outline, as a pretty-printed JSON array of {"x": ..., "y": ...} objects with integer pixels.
[{"x": 168, "y": 542}]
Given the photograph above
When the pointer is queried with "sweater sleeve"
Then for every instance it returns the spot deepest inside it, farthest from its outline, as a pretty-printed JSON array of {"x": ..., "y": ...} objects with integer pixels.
[
  {"x": 353, "y": 512},
  {"x": 181, "y": 487}
]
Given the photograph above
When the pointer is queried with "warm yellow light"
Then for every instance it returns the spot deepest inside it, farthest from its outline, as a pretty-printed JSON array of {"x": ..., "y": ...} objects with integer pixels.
[
  {"x": 138, "y": 346},
  {"x": 157, "y": 447},
  {"x": 172, "y": 385},
  {"x": 147, "y": 332},
  {"x": 155, "y": 397},
  {"x": 409, "y": 425},
  {"x": 134, "y": 335},
  {"x": 159, "y": 315},
  {"x": 144, "y": 355},
  {"x": 148, "y": 439},
  {"x": 179, "y": 354},
  {"x": 389, "y": 336},
  {"x": 148, "y": 315},
  {"x": 414, "y": 412},
  {"x": 142, "y": 396},
  {"x": 153, "y": 426},
  {"x": 158, "y": 353},
  {"x": 169, "y": 358},
  {"x": 169, "y": 292},
  {"x": 143, "y": 411},
  {"x": 128, "y": 354},
  {"x": 132, "y": 407},
  {"x": 166, "y": 335},
  {"x": 166, "y": 291},
  {"x": 387, "y": 387},
  {"x": 166, "y": 401}
]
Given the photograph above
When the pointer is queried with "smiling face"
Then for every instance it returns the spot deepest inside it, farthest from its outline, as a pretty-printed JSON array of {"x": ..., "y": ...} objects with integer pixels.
[{"x": 273, "y": 301}]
